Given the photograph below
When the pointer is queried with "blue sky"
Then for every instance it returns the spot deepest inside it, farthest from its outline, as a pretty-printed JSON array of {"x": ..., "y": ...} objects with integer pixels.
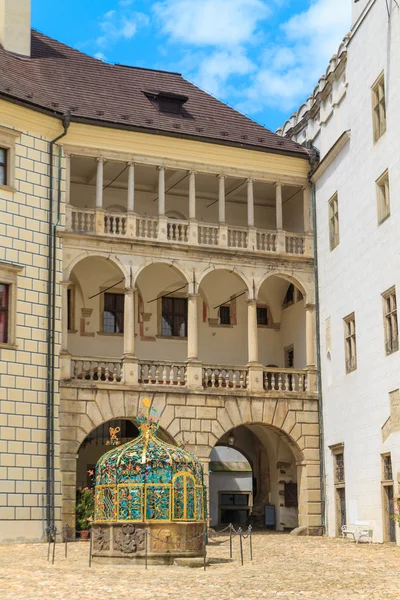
[{"x": 263, "y": 57}]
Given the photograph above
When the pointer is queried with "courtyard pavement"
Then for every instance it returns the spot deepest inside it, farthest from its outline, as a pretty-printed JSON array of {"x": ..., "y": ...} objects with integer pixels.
[{"x": 283, "y": 567}]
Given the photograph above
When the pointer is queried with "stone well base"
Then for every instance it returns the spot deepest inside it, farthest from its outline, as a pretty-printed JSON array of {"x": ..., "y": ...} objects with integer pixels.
[{"x": 125, "y": 543}]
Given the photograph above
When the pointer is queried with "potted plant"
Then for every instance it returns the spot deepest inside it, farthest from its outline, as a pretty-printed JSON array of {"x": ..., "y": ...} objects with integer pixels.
[{"x": 84, "y": 511}]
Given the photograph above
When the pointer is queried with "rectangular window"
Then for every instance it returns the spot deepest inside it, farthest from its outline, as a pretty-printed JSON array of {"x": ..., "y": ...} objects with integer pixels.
[
  {"x": 225, "y": 315},
  {"x": 339, "y": 467},
  {"x": 387, "y": 474},
  {"x": 113, "y": 320},
  {"x": 291, "y": 495},
  {"x": 4, "y": 307},
  {"x": 383, "y": 196},
  {"x": 262, "y": 316},
  {"x": 333, "y": 222},
  {"x": 174, "y": 317},
  {"x": 3, "y": 166},
  {"x": 379, "y": 108},
  {"x": 390, "y": 318},
  {"x": 350, "y": 342},
  {"x": 289, "y": 357}
]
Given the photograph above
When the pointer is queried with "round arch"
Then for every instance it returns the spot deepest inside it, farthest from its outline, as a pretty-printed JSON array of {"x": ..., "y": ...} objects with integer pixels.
[
  {"x": 305, "y": 287},
  {"x": 168, "y": 263},
  {"x": 236, "y": 272},
  {"x": 85, "y": 255}
]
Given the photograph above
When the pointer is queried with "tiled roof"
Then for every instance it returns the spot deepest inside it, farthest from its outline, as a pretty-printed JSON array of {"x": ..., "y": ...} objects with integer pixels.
[{"x": 58, "y": 78}]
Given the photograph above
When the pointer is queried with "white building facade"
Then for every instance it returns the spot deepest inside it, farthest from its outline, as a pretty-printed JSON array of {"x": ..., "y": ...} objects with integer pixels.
[{"x": 352, "y": 118}]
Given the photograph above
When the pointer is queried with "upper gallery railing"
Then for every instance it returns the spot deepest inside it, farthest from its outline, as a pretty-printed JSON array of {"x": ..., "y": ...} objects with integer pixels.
[{"x": 194, "y": 233}]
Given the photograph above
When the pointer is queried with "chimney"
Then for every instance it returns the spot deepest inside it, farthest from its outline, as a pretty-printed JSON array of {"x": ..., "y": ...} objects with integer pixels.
[{"x": 15, "y": 26}]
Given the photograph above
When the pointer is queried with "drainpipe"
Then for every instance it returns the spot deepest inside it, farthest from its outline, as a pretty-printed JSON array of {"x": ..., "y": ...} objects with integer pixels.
[
  {"x": 319, "y": 377},
  {"x": 51, "y": 294}
]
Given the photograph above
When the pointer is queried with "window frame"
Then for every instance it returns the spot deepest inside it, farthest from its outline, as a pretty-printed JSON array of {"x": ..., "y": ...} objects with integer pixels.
[
  {"x": 390, "y": 321},
  {"x": 9, "y": 276},
  {"x": 383, "y": 196},
  {"x": 379, "y": 117},
  {"x": 333, "y": 208},
  {"x": 115, "y": 291},
  {"x": 350, "y": 342},
  {"x": 8, "y": 139},
  {"x": 262, "y": 307},
  {"x": 227, "y": 322},
  {"x": 161, "y": 312}
]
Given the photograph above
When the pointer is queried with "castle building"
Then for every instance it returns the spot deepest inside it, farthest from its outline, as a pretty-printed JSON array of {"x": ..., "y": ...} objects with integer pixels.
[
  {"x": 353, "y": 119},
  {"x": 155, "y": 243}
]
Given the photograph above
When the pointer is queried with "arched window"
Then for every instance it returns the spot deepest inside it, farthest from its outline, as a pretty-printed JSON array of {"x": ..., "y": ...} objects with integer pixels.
[{"x": 184, "y": 497}]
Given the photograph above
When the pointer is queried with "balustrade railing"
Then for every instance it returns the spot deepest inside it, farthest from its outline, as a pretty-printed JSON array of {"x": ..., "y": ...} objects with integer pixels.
[
  {"x": 97, "y": 369},
  {"x": 82, "y": 220},
  {"x": 208, "y": 235},
  {"x": 285, "y": 380},
  {"x": 237, "y": 237},
  {"x": 177, "y": 231},
  {"x": 212, "y": 235},
  {"x": 115, "y": 224},
  {"x": 225, "y": 377},
  {"x": 266, "y": 241},
  {"x": 147, "y": 228},
  {"x": 162, "y": 373},
  {"x": 294, "y": 244}
]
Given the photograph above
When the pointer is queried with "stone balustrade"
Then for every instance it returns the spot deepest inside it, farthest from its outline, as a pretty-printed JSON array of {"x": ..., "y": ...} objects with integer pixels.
[
  {"x": 285, "y": 380},
  {"x": 97, "y": 369},
  {"x": 225, "y": 377},
  {"x": 193, "y": 233},
  {"x": 162, "y": 373}
]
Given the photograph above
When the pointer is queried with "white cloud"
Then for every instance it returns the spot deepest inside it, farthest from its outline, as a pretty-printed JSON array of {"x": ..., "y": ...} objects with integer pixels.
[
  {"x": 289, "y": 71},
  {"x": 122, "y": 24},
  {"x": 100, "y": 56},
  {"x": 211, "y": 22}
]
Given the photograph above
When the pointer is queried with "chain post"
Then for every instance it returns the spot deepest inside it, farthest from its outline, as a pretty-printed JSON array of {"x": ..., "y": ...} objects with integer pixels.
[
  {"x": 90, "y": 547},
  {"x": 205, "y": 553},
  {"x": 251, "y": 542},
  {"x": 241, "y": 544},
  {"x": 230, "y": 541}
]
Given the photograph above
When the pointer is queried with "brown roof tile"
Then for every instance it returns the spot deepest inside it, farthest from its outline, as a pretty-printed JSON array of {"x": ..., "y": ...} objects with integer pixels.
[{"x": 58, "y": 78}]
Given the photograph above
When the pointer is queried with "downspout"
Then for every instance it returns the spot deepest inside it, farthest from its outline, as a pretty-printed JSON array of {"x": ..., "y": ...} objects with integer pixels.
[
  {"x": 319, "y": 376},
  {"x": 51, "y": 293}
]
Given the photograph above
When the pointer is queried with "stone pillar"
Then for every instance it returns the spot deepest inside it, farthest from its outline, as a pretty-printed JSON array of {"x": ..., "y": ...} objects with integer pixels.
[
  {"x": 65, "y": 357},
  {"x": 311, "y": 347},
  {"x": 161, "y": 191},
  {"x": 99, "y": 182},
  {"x": 192, "y": 195},
  {"x": 309, "y": 493},
  {"x": 99, "y": 217},
  {"x": 279, "y": 210},
  {"x": 193, "y": 349},
  {"x": 250, "y": 203},
  {"x": 306, "y": 209},
  {"x": 221, "y": 199},
  {"x": 68, "y": 216},
  {"x": 130, "y": 361},
  {"x": 131, "y": 187},
  {"x": 255, "y": 382}
]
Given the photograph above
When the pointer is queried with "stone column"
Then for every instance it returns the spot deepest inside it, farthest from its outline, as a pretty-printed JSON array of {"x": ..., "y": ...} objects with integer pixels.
[
  {"x": 193, "y": 349},
  {"x": 221, "y": 199},
  {"x": 311, "y": 347},
  {"x": 192, "y": 195},
  {"x": 161, "y": 191},
  {"x": 99, "y": 218},
  {"x": 130, "y": 216},
  {"x": 65, "y": 357},
  {"x": 250, "y": 203},
  {"x": 306, "y": 209},
  {"x": 255, "y": 369},
  {"x": 68, "y": 215},
  {"x": 279, "y": 210},
  {"x": 130, "y": 361}
]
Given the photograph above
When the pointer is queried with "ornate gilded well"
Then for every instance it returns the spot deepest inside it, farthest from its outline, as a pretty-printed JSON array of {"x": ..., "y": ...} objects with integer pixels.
[{"x": 148, "y": 494}]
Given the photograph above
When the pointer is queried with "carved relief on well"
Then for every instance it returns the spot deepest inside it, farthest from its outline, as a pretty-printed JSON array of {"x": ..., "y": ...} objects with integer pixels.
[
  {"x": 128, "y": 539},
  {"x": 101, "y": 539}
]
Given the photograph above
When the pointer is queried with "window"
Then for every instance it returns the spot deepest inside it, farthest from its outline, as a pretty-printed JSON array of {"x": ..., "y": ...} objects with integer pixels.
[
  {"x": 289, "y": 357},
  {"x": 390, "y": 318},
  {"x": 387, "y": 474},
  {"x": 234, "y": 507},
  {"x": 262, "y": 316},
  {"x": 291, "y": 495},
  {"x": 383, "y": 196},
  {"x": 3, "y": 166},
  {"x": 113, "y": 320},
  {"x": 4, "y": 304},
  {"x": 333, "y": 222},
  {"x": 174, "y": 317},
  {"x": 225, "y": 315},
  {"x": 339, "y": 467},
  {"x": 350, "y": 342},
  {"x": 379, "y": 108}
]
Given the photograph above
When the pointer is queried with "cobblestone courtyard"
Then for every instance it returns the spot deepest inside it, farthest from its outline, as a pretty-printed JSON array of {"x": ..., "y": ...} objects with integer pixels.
[{"x": 283, "y": 567}]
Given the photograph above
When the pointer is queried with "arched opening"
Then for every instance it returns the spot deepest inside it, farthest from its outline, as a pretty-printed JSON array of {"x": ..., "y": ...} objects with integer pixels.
[
  {"x": 222, "y": 318},
  {"x": 162, "y": 313},
  {"x": 282, "y": 332},
  {"x": 253, "y": 478},
  {"x": 95, "y": 308}
]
